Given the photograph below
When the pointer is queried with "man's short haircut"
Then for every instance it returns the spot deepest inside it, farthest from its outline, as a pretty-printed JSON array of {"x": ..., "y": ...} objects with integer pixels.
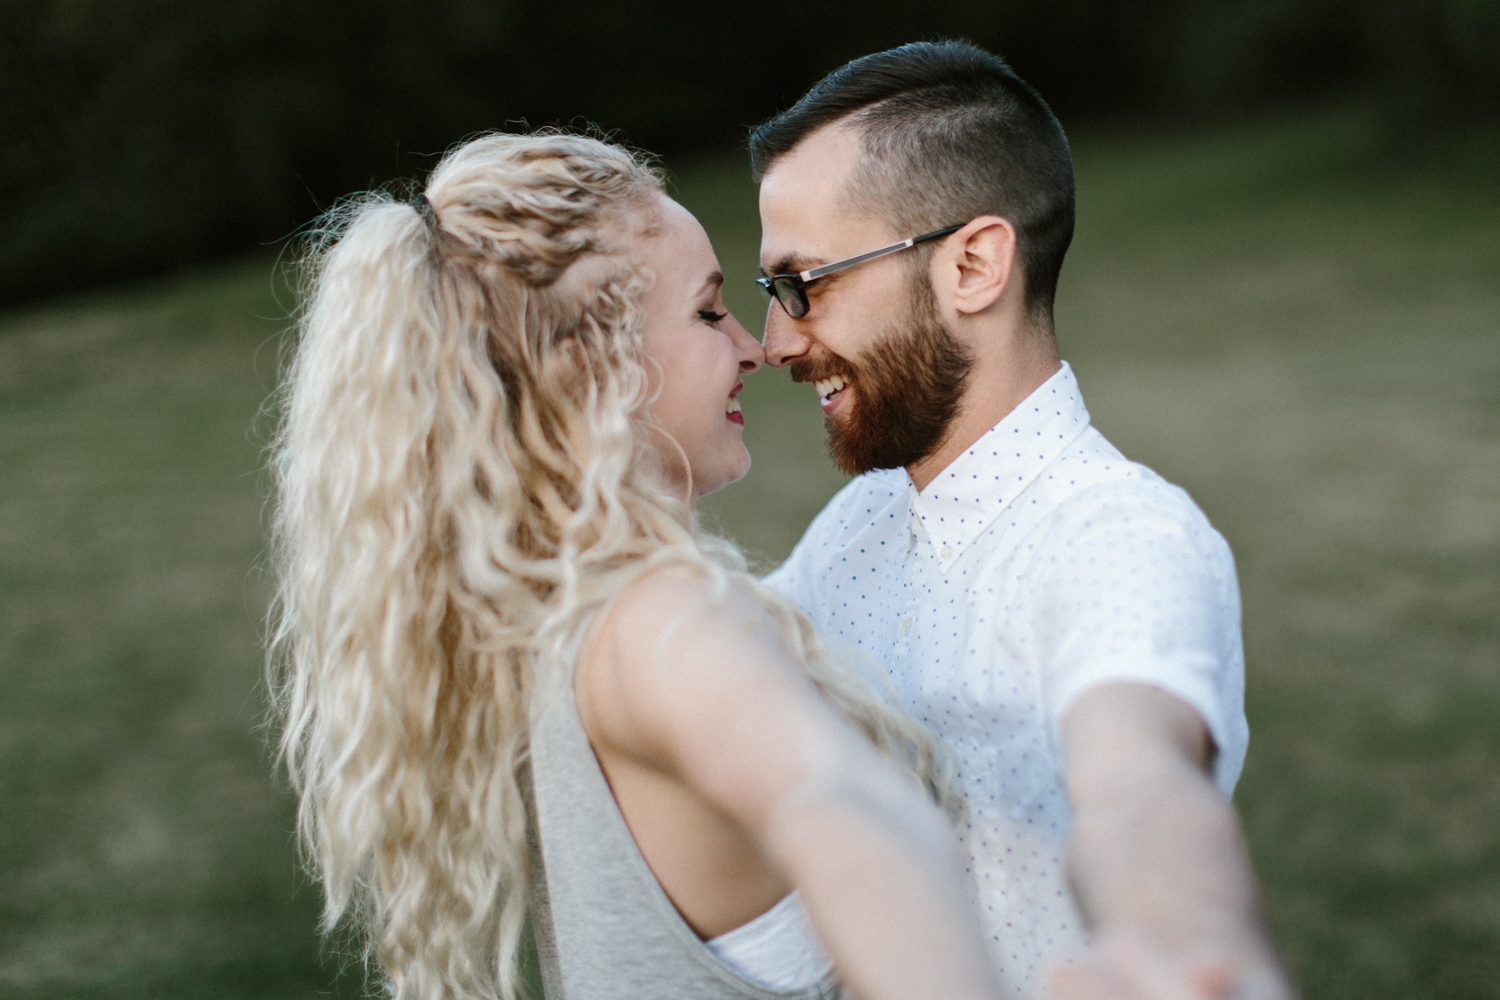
[{"x": 949, "y": 133}]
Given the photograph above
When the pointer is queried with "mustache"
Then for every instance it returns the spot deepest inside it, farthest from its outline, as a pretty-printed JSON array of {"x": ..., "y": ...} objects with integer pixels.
[{"x": 821, "y": 368}]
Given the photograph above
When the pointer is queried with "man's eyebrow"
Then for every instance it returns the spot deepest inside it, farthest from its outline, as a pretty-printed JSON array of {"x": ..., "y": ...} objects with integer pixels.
[{"x": 792, "y": 264}]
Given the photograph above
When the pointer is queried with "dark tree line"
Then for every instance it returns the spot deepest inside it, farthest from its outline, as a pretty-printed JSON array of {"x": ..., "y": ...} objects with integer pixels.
[{"x": 142, "y": 134}]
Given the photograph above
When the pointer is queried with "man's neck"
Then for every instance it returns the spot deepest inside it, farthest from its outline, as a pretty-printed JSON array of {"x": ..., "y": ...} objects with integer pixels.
[{"x": 993, "y": 390}]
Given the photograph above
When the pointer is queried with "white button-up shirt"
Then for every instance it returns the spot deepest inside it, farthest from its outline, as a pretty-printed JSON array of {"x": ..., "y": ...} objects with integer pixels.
[{"x": 1038, "y": 563}]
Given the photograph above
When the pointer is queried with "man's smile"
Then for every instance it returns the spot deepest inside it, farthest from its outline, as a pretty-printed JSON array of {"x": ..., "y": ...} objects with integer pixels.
[{"x": 830, "y": 391}]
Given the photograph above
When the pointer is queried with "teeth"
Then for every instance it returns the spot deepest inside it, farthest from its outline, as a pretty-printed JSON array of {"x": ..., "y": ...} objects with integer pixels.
[
  {"x": 828, "y": 386},
  {"x": 733, "y": 406}
]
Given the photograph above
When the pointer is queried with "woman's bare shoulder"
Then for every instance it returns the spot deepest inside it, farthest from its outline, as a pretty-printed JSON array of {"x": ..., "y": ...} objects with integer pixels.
[
  {"x": 681, "y": 606},
  {"x": 674, "y": 644}
]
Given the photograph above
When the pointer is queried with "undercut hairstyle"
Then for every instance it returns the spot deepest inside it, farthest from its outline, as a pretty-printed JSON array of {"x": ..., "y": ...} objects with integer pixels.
[{"x": 949, "y": 133}]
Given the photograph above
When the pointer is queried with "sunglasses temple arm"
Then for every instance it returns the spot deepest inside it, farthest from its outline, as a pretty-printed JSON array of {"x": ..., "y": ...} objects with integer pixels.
[
  {"x": 932, "y": 236},
  {"x": 819, "y": 272}
]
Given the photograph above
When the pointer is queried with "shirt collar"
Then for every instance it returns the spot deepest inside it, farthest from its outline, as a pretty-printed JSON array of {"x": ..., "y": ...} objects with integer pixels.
[{"x": 966, "y": 497}]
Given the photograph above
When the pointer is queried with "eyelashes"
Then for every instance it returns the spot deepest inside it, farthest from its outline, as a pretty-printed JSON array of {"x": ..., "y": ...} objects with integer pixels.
[{"x": 709, "y": 316}]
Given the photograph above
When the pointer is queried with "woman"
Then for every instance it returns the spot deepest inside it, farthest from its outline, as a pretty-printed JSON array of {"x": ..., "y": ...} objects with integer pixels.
[{"x": 513, "y": 677}]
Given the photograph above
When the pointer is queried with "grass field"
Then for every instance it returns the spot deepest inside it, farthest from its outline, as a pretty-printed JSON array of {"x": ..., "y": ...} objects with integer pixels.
[{"x": 1302, "y": 332}]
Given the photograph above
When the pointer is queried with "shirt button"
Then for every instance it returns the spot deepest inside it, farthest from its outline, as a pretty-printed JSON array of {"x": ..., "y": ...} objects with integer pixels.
[
  {"x": 947, "y": 552},
  {"x": 906, "y": 626}
]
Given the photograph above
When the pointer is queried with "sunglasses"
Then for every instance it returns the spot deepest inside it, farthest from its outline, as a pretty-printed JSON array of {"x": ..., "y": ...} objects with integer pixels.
[{"x": 791, "y": 289}]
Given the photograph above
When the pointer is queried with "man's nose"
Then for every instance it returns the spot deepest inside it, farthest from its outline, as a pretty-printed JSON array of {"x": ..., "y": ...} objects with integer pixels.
[{"x": 784, "y": 340}]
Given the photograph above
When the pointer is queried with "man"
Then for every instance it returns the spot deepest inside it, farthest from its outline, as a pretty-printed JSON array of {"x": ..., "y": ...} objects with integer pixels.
[{"x": 1066, "y": 619}]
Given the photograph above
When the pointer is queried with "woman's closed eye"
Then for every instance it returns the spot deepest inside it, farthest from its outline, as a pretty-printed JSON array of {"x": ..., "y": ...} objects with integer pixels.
[{"x": 710, "y": 317}]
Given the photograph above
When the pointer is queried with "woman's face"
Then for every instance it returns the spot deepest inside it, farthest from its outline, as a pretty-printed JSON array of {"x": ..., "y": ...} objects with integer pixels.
[{"x": 700, "y": 351}]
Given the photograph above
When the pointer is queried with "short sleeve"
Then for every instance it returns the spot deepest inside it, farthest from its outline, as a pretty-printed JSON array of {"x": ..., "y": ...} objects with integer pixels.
[{"x": 1137, "y": 586}]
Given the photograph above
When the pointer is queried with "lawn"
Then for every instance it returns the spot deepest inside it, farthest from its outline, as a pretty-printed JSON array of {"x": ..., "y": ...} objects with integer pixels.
[{"x": 1301, "y": 330}]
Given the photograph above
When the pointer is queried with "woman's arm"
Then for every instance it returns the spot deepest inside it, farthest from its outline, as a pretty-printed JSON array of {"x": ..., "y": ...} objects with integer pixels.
[
  {"x": 708, "y": 694},
  {"x": 1156, "y": 858}
]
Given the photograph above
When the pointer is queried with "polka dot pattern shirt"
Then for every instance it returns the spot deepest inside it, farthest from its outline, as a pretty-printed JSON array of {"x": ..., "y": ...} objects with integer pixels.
[{"x": 1040, "y": 562}]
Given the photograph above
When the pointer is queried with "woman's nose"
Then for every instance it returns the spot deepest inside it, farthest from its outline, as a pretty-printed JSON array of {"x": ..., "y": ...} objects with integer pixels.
[{"x": 752, "y": 355}]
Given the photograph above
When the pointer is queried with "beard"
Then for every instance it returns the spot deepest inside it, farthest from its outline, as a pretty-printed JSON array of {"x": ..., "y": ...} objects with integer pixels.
[{"x": 905, "y": 390}]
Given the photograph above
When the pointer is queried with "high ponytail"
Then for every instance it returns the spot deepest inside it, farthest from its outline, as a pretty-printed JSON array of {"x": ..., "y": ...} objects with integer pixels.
[{"x": 462, "y": 477}]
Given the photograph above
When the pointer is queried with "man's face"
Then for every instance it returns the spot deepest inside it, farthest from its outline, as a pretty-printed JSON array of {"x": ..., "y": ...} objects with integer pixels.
[{"x": 888, "y": 372}]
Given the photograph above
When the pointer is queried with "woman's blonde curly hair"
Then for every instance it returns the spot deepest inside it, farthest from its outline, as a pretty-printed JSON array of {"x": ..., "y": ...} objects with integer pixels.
[{"x": 465, "y": 472}]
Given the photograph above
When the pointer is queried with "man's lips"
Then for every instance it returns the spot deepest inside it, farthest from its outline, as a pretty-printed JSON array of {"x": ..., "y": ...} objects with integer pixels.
[
  {"x": 829, "y": 377},
  {"x": 831, "y": 392}
]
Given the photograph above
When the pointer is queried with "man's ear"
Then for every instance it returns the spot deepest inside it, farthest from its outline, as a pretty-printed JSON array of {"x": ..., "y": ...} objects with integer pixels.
[{"x": 982, "y": 263}]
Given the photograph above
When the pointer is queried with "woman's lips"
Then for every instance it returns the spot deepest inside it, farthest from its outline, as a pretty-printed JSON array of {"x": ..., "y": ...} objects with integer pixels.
[{"x": 732, "y": 408}]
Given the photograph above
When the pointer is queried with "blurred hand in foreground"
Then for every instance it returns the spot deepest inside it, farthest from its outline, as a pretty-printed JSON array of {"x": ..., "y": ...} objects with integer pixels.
[
  {"x": 1156, "y": 859},
  {"x": 1124, "y": 968}
]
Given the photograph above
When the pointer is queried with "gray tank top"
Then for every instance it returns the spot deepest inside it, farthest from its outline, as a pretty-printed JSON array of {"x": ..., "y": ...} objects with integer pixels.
[{"x": 605, "y": 929}]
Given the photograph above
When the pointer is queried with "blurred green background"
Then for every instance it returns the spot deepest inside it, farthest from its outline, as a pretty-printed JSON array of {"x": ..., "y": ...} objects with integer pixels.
[{"x": 1284, "y": 295}]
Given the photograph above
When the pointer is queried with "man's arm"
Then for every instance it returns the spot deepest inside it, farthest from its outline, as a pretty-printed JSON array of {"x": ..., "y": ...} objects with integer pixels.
[{"x": 1156, "y": 859}]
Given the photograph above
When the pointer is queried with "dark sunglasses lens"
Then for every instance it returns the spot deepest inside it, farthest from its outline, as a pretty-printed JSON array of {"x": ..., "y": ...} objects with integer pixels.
[{"x": 791, "y": 296}]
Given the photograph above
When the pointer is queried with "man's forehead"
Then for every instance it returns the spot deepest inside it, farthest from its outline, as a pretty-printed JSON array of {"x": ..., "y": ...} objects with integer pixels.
[
  {"x": 805, "y": 208},
  {"x": 821, "y": 161}
]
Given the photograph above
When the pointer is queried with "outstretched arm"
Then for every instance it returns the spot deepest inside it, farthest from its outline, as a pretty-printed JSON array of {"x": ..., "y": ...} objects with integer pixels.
[
  {"x": 708, "y": 693},
  {"x": 1156, "y": 858}
]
